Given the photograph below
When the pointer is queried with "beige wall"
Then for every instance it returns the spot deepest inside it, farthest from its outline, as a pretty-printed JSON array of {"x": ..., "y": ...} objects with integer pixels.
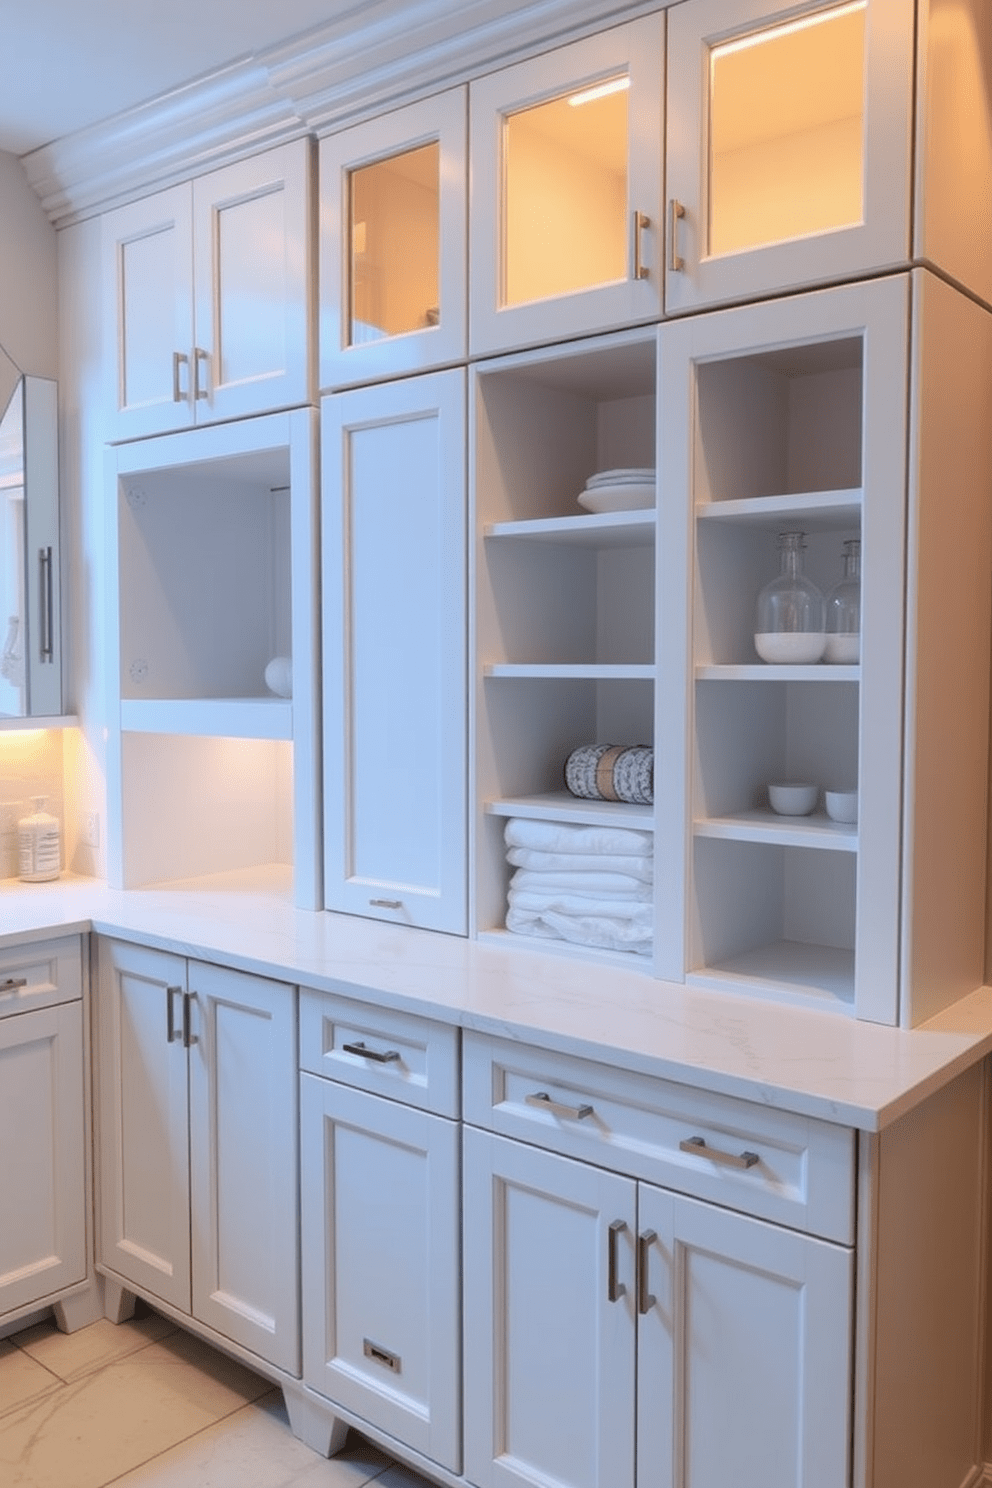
[{"x": 28, "y": 279}]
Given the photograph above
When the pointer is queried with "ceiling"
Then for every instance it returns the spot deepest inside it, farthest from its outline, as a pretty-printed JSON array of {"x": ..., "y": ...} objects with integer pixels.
[{"x": 65, "y": 65}]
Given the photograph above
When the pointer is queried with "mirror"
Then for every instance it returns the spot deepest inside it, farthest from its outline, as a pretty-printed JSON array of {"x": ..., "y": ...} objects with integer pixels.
[{"x": 30, "y": 616}]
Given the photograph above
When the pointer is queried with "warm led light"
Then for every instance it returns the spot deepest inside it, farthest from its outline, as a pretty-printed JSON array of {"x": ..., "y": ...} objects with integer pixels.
[
  {"x": 599, "y": 90},
  {"x": 817, "y": 18}
]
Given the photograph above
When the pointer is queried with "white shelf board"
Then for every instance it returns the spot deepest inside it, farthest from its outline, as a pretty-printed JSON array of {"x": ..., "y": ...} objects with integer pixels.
[
  {"x": 222, "y": 718},
  {"x": 819, "y": 976},
  {"x": 764, "y": 671},
  {"x": 601, "y": 530},
  {"x": 815, "y": 831},
  {"x": 41, "y": 721},
  {"x": 580, "y": 671},
  {"x": 563, "y": 807},
  {"x": 819, "y": 510}
]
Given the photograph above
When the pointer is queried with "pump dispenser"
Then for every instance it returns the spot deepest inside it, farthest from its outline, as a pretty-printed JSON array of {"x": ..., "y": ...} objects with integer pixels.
[{"x": 39, "y": 845}]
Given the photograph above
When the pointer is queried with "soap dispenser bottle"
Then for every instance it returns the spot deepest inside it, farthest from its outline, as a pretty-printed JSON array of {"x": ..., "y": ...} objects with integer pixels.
[{"x": 39, "y": 842}]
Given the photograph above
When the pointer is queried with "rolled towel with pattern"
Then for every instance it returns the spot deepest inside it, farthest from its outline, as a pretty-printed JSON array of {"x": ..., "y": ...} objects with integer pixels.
[{"x": 611, "y": 772}]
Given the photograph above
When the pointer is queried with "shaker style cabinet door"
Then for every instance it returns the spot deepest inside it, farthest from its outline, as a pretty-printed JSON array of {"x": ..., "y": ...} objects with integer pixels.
[
  {"x": 393, "y": 250},
  {"x": 788, "y": 145},
  {"x": 565, "y": 217},
  {"x": 394, "y": 651}
]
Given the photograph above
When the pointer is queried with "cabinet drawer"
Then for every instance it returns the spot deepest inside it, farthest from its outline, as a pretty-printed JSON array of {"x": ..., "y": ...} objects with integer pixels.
[
  {"x": 40, "y": 975},
  {"x": 398, "y": 1055},
  {"x": 790, "y": 1169}
]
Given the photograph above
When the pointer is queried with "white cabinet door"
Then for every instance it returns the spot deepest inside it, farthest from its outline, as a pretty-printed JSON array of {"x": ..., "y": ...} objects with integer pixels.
[
  {"x": 381, "y": 1330},
  {"x": 243, "y": 1160},
  {"x": 744, "y": 1351},
  {"x": 42, "y": 1162},
  {"x": 394, "y": 653},
  {"x": 141, "y": 1082},
  {"x": 148, "y": 314},
  {"x": 788, "y": 145},
  {"x": 549, "y": 1319}
]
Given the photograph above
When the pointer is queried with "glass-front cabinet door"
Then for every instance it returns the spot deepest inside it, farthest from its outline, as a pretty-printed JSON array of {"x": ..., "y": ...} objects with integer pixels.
[
  {"x": 788, "y": 145},
  {"x": 566, "y": 190},
  {"x": 393, "y": 243}
]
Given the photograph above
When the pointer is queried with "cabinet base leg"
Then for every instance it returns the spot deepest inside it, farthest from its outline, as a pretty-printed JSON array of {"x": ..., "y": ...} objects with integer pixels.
[
  {"x": 118, "y": 1302},
  {"x": 313, "y": 1423},
  {"x": 79, "y": 1310}
]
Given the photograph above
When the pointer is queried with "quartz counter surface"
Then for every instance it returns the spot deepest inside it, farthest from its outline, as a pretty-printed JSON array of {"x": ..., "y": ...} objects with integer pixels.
[{"x": 819, "y": 1064}]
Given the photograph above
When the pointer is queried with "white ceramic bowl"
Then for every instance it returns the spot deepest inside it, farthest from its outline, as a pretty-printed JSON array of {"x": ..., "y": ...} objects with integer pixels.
[
  {"x": 793, "y": 800},
  {"x": 842, "y": 805}
]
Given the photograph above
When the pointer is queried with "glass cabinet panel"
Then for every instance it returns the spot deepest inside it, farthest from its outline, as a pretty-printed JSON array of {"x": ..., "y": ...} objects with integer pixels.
[
  {"x": 565, "y": 193},
  {"x": 786, "y": 130},
  {"x": 394, "y": 231}
]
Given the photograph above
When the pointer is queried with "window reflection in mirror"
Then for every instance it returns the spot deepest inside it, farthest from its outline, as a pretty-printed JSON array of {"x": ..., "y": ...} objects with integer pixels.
[
  {"x": 394, "y": 226},
  {"x": 786, "y": 130},
  {"x": 564, "y": 208}
]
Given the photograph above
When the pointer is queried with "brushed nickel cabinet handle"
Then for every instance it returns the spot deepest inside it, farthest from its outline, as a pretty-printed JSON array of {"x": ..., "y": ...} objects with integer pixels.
[
  {"x": 46, "y": 649},
  {"x": 698, "y": 1146},
  {"x": 189, "y": 1038},
  {"x": 641, "y": 222},
  {"x": 675, "y": 211},
  {"x": 375, "y": 1055},
  {"x": 179, "y": 359},
  {"x": 199, "y": 355},
  {"x": 614, "y": 1288},
  {"x": 386, "y": 903},
  {"x": 170, "y": 1015},
  {"x": 645, "y": 1240},
  {"x": 542, "y": 1099},
  {"x": 12, "y": 984}
]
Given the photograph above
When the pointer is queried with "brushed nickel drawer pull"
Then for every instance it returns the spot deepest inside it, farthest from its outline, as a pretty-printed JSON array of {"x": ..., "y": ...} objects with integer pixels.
[
  {"x": 381, "y": 1355},
  {"x": 614, "y": 1288},
  {"x": 542, "y": 1098},
  {"x": 46, "y": 648},
  {"x": 189, "y": 1037},
  {"x": 365, "y": 1053},
  {"x": 645, "y": 1301},
  {"x": 12, "y": 984},
  {"x": 386, "y": 903},
  {"x": 675, "y": 210},
  {"x": 170, "y": 1013},
  {"x": 199, "y": 391},
  {"x": 728, "y": 1159},
  {"x": 179, "y": 359},
  {"x": 641, "y": 222}
]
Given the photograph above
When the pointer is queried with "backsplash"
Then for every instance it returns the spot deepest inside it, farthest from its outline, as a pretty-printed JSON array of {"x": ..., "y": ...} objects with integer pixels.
[{"x": 30, "y": 765}]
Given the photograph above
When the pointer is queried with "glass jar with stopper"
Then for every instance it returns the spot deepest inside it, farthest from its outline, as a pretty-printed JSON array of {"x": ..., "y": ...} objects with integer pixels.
[
  {"x": 790, "y": 618},
  {"x": 844, "y": 610}
]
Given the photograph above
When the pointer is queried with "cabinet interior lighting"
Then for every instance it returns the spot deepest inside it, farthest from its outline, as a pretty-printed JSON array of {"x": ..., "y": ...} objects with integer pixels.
[
  {"x": 755, "y": 38},
  {"x": 599, "y": 90}
]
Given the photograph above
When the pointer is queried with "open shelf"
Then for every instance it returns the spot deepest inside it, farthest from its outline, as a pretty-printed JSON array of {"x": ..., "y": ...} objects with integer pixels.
[
  {"x": 230, "y": 718},
  {"x": 597, "y": 530},
  {"x": 560, "y": 806},
  {"x": 821, "y": 976},
  {"x": 816, "y": 511},
  {"x": 815, "y": 830}
]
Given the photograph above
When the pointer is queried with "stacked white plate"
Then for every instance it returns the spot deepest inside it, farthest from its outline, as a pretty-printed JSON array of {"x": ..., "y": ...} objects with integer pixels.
[{"x": 629, "y": 489}]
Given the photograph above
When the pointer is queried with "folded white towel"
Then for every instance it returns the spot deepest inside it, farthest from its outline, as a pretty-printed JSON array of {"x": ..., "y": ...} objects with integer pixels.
[
  {"x": 562, "y": 837},
  {"x": 593, "y": 885},
  {"x": 637, "y": 865},
  {"x": 566, "y": 903},
  {"x": 600, "y": 931}
]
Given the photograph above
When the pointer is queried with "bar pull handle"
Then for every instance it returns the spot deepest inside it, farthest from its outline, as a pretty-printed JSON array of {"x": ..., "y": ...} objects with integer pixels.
[
  {"x": 170, "y": 1013},
  {"x": 641, "y": 222},
  {"x": 675, "y": 211},
  {"x": 378, "y": 1057},
  {"x": 614, "y": 1288},
  {"x": 47, "y": 628},
  {"x": 543, "y": 1099},
  {"x": 12, "y": 984},
  {"x": 386, "y": 903},
  {"x": 189, "y": 1037},
  {"x": 645, "y": 1301},
  {"x": 179, "y": 359},
  {"x": 200, "y": 390},
  {"x": 698, "y": 1146}
]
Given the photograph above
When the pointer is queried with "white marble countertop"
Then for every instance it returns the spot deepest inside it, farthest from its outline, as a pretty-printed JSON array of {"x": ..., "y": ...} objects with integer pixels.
[{"x": 819, "y": 1064}]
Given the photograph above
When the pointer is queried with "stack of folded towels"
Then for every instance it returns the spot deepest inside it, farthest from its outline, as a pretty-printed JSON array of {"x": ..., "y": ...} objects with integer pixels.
[{"x": 592, "y": 886}]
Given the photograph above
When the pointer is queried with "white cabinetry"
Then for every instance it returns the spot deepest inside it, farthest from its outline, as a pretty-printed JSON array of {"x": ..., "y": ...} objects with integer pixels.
[
  {"x": 43, "y": 1125},
  {"x": 196, "y": 1094},
  {"x": 208, "y": 296},
  {"x": 380, "y": 1220},
  {"x": 394, "y": 653}
]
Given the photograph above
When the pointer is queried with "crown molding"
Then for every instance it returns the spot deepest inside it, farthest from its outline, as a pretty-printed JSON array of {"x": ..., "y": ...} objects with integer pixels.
[{"x": 373, "y": 57}]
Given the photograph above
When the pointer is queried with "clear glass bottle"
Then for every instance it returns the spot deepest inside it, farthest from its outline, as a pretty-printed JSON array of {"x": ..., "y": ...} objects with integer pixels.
[
  {"x": 39, "y": 845},
  {"x": 844, "y": 610},
  {"x": 790, "y": 619}
]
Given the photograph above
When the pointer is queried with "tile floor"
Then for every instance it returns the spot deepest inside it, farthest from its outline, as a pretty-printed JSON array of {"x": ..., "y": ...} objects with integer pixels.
[{"x": 145, "y": 1405}]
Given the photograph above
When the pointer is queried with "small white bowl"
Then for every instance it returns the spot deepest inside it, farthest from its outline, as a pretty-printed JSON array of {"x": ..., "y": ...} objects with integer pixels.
[
  {"x": 842, "y": 805},
  {"x": 793, "y": 800}
]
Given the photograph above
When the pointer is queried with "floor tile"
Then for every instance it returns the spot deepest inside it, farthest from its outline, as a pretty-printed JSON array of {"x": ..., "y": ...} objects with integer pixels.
[
  {"x": 70, "y": 1355},
  {"x": 21, "y": 1378},
  {"x": 399, "y": 1476},
  {"x": 107, "y": 1423}
]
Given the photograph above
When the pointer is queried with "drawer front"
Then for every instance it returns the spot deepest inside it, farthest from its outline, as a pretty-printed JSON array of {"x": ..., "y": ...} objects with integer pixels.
[
  {"x": 41, "y": 974},
  {"x": 398, "y": 1055},
  {"x": 776, "y": 1165}
]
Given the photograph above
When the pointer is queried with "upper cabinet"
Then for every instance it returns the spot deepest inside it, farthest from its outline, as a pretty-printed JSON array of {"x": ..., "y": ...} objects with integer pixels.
[
  {"x": 789, "y": 145},
  {"x": 565, "y": 221},
  {"x": 393, "y": 251},
  {"x": 208, "y": 297}
]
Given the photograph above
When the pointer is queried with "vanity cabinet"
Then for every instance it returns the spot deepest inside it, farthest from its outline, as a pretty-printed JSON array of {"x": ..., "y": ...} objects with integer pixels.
[
  {"x": 393, "y": 530},
  {"x": 43, "y": 1125},
  {"x": 198, "y": 1138},
  {"x": 208, "y": 296},
  {"x": 381, "y": 1229},
  {"x": 393, "y": 246}
]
